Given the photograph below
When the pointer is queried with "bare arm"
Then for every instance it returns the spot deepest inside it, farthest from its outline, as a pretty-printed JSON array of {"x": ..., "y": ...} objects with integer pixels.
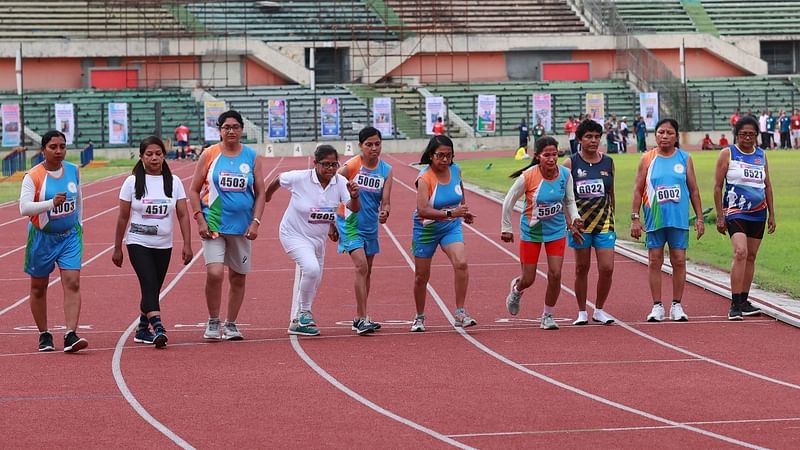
[
  {"x": 719, "y": 183},
  {"x": 258, "y": 207},
  {"x": 122, "y": 223},
  {"x": 273, "y": 186},
  {"x": 636, "y": 206},
  {"x": 182, "y": 211},
  {"x": 386, "y": 206},
  {"x": 771, "y": 224},
  {"x": 694, "y": 196}
]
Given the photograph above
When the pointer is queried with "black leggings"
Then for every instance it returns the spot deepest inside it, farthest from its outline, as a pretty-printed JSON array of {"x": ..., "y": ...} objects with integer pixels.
[{"x": 151, "y": 266}]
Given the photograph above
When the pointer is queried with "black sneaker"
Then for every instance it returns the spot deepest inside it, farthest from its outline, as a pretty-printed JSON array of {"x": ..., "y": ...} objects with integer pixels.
[
  {"x": 735, "y": 313},
  {"x": 143, "y": 336},
  {"x": 361, "y": 326},
  {"x": 46, "y": 342},
  {"x": 748, "y": 309},
  {"x": 73, "y": 343},
  {"x": 160, "y": 339}
]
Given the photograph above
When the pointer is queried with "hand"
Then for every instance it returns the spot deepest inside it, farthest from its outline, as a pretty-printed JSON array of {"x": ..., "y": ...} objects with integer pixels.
[
  {"x": 469, "y": 218},
  {"x": 700, "y": 227},
  {"x": 577, "y": 225},
  {"x": 116, "y": 257},
  {"x": 187, "y": 254},
  {"x": 636, "y": 229},
  {"x": 771, "y": 224},
  {"x": 507, "y": 237},
  {"x": 461, "y": 211},
  {"x": 383, "y": 215},
  {"x": 202, "y": 230},
  {"x": 352, "y": 187},
  {"x": 333, "y": 233},
  {"x": 721, "y": 225},
  {"x": 59, "y": 198},
  {"x": 252, "y": 231}
]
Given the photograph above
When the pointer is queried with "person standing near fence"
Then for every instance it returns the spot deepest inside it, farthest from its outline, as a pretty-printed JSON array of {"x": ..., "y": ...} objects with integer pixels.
[
  {"x": 51, "y": 197},
  {"x": 182, "y": 140},
  {"x": 641, "y": 134},
  {"x": 150, "y": 199}
]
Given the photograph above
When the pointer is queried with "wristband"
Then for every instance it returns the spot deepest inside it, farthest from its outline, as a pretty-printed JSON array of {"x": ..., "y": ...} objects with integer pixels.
[
  {"x": 257, "y": 220},
  {"x": 199, "y": 211}
]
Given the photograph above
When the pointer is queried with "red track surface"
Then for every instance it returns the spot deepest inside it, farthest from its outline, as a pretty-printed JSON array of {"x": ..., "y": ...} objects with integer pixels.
[{"x": 504, "y": 383}]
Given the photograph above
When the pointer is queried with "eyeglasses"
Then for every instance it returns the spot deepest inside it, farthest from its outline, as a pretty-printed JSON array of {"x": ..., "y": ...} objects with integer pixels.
[
  {"x": 230, "y": 128},
  {"x": 440, "y": 155},
  {"x": 372, "y": 144},
  {"x": 328, "y": 165},
  {"x": 746, "y": 134}
]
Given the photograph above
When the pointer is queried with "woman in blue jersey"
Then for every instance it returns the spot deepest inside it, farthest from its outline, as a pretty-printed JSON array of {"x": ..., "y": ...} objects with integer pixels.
[
  {"x": 665, "y": 184},
  {"x": 547, "y": 188},
  {"x": 227, "y": 196},
  {"x": 51, "y": 197},
  {"x": 357, "y": 232},
  {"x": 743, "y": 201},
  {"x": 437, "y": 223}
]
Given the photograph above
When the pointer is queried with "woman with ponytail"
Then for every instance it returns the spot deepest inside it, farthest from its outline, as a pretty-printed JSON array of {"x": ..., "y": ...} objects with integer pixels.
[{"x": 149, "y": 199}]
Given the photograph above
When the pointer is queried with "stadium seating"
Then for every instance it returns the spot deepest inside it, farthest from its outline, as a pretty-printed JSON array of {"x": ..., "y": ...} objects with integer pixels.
[
  {"x": 488, "y": 16},
  {"x": 754, "y": 17},
  {"x": 663, "y": 16},
  {"x": 328, "y": 20}
]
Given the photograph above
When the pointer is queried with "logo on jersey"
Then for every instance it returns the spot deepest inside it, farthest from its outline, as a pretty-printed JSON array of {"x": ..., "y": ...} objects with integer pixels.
[
  {"x": 72, "y": 187},
  {"x": 244, "y": 168},
  {"x": 458, "y": 189},
  {"x": 678, "y": 168},
  {"x": 582, "y": 173}
]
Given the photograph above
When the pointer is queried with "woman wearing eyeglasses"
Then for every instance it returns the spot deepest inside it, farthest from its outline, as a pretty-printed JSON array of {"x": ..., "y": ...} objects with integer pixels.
[
  {"x": 316, "y": 196},
  {"x": 357, "y": 232},
  {"x": 665, "y": 184},
  {"x": 227, "y": 197},
  {"x": 744, "y": 209},
  {"x": 437, "y": 222}
]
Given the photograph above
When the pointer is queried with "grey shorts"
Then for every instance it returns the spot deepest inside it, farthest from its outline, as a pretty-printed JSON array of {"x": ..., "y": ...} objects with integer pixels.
[{"x": 230, "y": 249}]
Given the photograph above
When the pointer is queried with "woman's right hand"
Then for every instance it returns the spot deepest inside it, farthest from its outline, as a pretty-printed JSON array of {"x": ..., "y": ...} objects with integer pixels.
[
  {"x": 59, "y": 198},
  {"x": 116, "y": 257},
  {"x": 333, "y": 233},
  {"x": 721, "y": 225},
  {"x": 202, "y": 230},
  {"x": 636, "y": 229},
  {"x": 507, "y": 237},
  {"x": 460, "y": 211}
]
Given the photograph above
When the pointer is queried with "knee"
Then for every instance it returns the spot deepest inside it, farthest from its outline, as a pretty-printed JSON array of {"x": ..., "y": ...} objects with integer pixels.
[
  {"x": 739, "y": 254},
  {"x": 605, "y": 270},
  {"x": 421, "y": 278},
  {"x": 71, "y": 284},
  {"x": 460, "y": 265},
  {"x": 237, "y": 279},
  {"x": 582, "y": 270},
  {"x": 655, "y": 261},
  {"x": 554, "y": 275},
  {"x": 362, "y": 269},
  {"x": 678, "y": 260},
  {"x": 312, "y": 271},
  {"x": 214, "y": 274}
]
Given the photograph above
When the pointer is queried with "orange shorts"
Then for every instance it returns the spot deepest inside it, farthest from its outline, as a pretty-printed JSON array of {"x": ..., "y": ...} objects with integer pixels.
[{"x": 529, "y": 251}]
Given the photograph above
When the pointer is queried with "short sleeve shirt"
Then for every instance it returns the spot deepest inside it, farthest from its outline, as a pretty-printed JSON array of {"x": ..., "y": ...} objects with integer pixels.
[{"x": 152, "y": 215}]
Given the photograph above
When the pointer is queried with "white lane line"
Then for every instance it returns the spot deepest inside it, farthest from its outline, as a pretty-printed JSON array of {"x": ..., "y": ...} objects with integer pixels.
[
  {"x": 553, "y": 381},
  {"x": 591, "y": 363},
  {"x": 120, "y": 379},
  {"x": 99, "y": 180}
]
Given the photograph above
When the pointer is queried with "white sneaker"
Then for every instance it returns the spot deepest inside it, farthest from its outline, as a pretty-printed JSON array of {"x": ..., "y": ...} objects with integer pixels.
[
  {"x": 230, "y": 332},
  {"x": 677, "y": 314},
  {"x": 548, "y": 323},
  {"x": 512, "y": 300},
  {"x": 418, "y": 325},
  {"x": 212, "y": 330},
  {"x": 600, "y": 316},
  {"x": 583, "y": 318},
  {"x": 657, "y": 314}
]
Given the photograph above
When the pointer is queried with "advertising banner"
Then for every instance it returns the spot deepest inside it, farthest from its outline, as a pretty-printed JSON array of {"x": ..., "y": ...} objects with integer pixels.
[
  {"x": 11, "y": 125},
  {"x": 487, "y": 114},
  {"x": 648, "y": 108},
  {"x": 65, "y": 120},
  {"x": 278, "y": 127},
  {"x": 211, "y": 112},
  {"x": 382, "y": 115},
  {"x": 117, "y": 123},
  {"x": 329, "y": 117},
  {"x": 596, "y": 106},
  {"x": 542, "y": 111},
  {"x": 434, "y": 110}
]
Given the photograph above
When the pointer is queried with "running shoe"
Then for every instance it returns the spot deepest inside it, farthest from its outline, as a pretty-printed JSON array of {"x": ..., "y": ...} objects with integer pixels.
[
  {"x": 301, "y": 330},
  {"x": 735, "y": 313},
  {"x": 73, "y": 343},
  {"x": 361, "y": 326},
  {"x": 230, "y": 332},
  {"x": 46, "y": 342},
  {"x": 548, "y": 323},
  {"x": 657, "y": 314},
  {"x": 513, "y": 298},
  {"x": 600, "y": 316},
  {"x": 419, "y": 324},
  {"x": 677, "y": 314},
  {"x": 748, "y": 309},
  {"x": 160, "y": 339},
  {"x": 375, "y": 325},
  {"x": 583, "y": 318},
  {"x": 462, "y": 319},
  {"x": 306, "y": 319},
  {"x": 143, "y": 336},
  {"x": 212, "y": 330}
]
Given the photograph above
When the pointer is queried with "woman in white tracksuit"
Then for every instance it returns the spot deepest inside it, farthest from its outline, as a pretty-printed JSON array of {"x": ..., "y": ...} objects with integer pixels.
[{"x": 317, "y": 194}]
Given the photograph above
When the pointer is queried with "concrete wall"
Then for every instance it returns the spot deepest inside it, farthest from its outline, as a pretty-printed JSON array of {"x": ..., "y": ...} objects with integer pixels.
[{"x": 446, "y": 68}]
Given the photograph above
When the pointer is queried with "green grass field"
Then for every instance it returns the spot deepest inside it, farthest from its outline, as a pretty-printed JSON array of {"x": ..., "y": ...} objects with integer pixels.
[{"x": 776, "y": 268}]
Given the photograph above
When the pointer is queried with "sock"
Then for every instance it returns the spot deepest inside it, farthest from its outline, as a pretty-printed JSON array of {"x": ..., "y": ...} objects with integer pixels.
[
  {"x": 548, "y": 309},
  {"x": 143, "y": 323},
  {"x": 583, "y": 315},
  {"x": 744, "y": 296},
  {"x": 419, "y": 316},
  {"x": 737, "y": 298},
  {"x": 460, "y": 311},
  {"x": 213, "y": 319},
  {"x": 657, "y": 302},
  {"x": 676, "y": 302},
  {"x": 155, "y": 322}
]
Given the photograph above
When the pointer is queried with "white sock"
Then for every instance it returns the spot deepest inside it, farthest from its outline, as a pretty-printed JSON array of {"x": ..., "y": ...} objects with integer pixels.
[
  {"x": 548, "y": 309},
  {"x": 583, "y": 315}
]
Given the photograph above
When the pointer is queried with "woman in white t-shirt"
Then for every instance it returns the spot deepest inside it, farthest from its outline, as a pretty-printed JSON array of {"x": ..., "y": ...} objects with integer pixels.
[
  {"x": 149, "y": 199},
  {"x": 317, "y": 194}
]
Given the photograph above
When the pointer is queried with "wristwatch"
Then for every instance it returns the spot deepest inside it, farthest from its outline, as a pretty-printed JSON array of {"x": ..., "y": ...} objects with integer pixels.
[
  {"x": 634, "y": 216},
  {"x": 449, "y": 213}
]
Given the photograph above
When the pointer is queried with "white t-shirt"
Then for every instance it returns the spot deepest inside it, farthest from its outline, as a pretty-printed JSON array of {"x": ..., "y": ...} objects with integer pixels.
[
  {"x": 311, "y": 209},
  {"x": 151, "y": 215}
]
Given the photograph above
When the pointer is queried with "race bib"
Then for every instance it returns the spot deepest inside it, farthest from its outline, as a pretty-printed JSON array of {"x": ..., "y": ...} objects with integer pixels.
[
  {"x": 369, "y": 182},
  {"x": 752, "y": 174},
  {"x": 64, "y": 209},
  {"x": 322, "y": 215},
  {"x": 545, "y": 211},
  {"x": 590, "y": 188},
  {"x": 232, "y": 181},
  {"x": 668, "y": 194},
  {"x": 155, "y": 208}
]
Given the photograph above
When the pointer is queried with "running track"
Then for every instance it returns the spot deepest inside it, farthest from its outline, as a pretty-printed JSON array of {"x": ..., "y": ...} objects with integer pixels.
[{"x": 504, "y": 383}]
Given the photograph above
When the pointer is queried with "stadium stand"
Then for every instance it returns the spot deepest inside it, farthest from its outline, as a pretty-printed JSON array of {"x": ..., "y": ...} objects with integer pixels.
[
  {"x": 489, "y": 16},
  {"x": 663, "y": 16},
  {"x": 754, "y": 17},
  {"x": 329, "y": 20}
]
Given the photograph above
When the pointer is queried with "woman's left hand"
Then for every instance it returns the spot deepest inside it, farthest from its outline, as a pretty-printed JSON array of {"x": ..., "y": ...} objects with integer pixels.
[
  {"x": 700, "y": 226},
  {"x": 187, "y": 253},
  {"x": 252, "y": 231},
  {"x": 469, "y": 218},
  {"x": 771, "y": 224}
]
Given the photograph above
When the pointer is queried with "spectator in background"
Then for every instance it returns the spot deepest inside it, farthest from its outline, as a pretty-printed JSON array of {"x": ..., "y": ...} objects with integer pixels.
[
  {"x": 723, "y": 141},
  {"x": 772, "y": 129},
  {"x": 624, "y": 132},
  {"x": 734, "y": 118},
  {"x": 641, "y": 134},
  {"x": 524, "y": 134},
  {"x": 794, "y": 128},
  {"x": 612, "y": 141},
  {"x": 569, "y": 129},
  {"x": 438, "y": 127},
  {"x": 783, "y": 127},
  {"x": 707, "y": 144},
  {"x": 762, "y": 128},
  {"x": 182, "y": 139},
  {"x": 538, "y": 130}
]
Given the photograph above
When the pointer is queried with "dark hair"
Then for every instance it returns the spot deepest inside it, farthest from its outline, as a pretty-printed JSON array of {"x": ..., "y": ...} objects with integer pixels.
[
  {"x": 746, "y": 120},
  {"x": 538, "y": 147},
  {"x": 230, "y": 114},
  {"x": 323, "y": 151},
  {"x": 433, "y": 144},
  {"x": 586, "y": 126},
  {"x": 47, "y": 137},
  {"x": 368, "y": 132},
  {"x": 674, "y": 124},
  {"x": 140, "y": 184}
]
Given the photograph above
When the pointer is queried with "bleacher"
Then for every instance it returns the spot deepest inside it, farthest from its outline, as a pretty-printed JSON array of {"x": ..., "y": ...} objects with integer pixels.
[
  {"x": 655, "y": 16},
  {"x": 488, "y": 16},
  {"x": 754, "y": 17},
  {"x": 85, "y": 19},
  {"x": 328, "y": 20},
  {"x": 713, "y": 100},
  {"x": 91, "y": 112}
]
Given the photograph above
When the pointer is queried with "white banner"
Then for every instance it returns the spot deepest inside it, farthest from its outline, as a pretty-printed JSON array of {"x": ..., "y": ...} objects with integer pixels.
[
  {"x": 542, "y": 111},
  {"x": 211, "y": 112},
  {"x": 596, "y": 107},
  {"x": 11, "y": 125},
  {"x": 434, "y": 110},
  {"x": 65, "y": 120},
  {"x": 487, "y": 114},
  {"x": 648, "y": 108},
  {"x": 382, "y": 115},
  {"x": 117, "y": 123}
]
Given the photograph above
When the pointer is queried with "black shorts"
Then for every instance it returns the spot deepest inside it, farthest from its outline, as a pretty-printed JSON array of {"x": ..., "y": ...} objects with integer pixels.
[{"x": 752, "y": 229}]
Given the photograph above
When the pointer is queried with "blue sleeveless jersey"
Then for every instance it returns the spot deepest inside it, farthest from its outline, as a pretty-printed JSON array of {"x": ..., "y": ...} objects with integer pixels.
[
  {"x": 370, "y": 183},
  {"x": 666, "y": 199},
  {"x": 745, "y": 189}
]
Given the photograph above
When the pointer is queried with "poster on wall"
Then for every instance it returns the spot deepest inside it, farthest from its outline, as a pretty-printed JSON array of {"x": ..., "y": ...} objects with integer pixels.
[
  {"x": 596, "y": 106},
  {"x": 117, "y": 123},
  {"x": 65, "y": 120},
  {"x": 11, "y": 125},
  {"x": 329, "y": 116},
  {"x": 487, "y": 114},
  {"x": 382, "y": 115},
  {"x": 211, "y": 112},
  {"x": 648, "y": 108},
  {"x": 542, "y": 110},
  {"x": 434, "y": 110},
  {"x": 276, "y": 109}
]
